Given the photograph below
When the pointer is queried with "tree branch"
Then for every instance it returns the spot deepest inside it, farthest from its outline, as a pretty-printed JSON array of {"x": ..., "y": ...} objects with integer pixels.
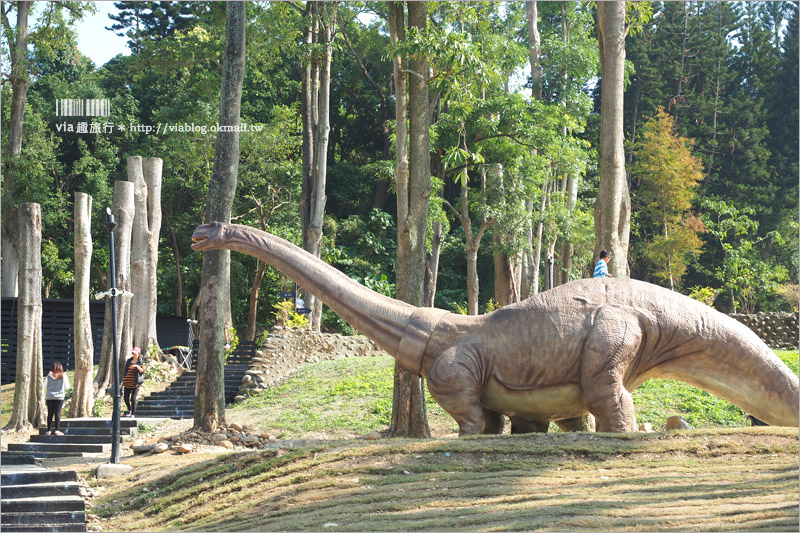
[
  {"x": 458, "y": 215},
  {"x": 363, "y": 68},
  {"x": 482, "y": 229}
]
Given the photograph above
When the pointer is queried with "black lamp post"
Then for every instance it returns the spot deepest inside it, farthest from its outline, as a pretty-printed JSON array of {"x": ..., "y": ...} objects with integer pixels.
[
  {"x": 549, "y": 272},
  {"x": 111, "y": 224}
]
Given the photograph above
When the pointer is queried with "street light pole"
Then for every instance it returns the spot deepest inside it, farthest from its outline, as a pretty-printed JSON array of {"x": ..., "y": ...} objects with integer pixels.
[{"x": 115, "y": 433}]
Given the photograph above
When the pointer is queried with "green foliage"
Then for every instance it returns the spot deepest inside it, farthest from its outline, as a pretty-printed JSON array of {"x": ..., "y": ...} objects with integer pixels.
[
  {"x": 286, "y": 316},
  {"x": 668, "y": 174},
  {"x": 743, "y": 272},
  {"x": 707, "y": 295}
]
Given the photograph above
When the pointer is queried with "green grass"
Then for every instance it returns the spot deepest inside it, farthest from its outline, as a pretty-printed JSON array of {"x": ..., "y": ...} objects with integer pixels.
[
  {"x": 658, "y": 399},
  {"x": 347, "y": 396},
  {"x": 353, "y": 396}
]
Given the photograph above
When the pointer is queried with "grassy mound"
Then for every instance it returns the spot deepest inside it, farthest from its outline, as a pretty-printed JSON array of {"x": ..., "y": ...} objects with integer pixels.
[
  {"x": 703, "y": 480},
  {"x": 350, "y": 397}
]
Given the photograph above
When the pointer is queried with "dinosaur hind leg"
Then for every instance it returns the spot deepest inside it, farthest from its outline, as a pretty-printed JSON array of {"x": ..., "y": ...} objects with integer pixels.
[
  {"x": 454, "y": 385},
  {"x": 526, "y": 425},
  {"x": 579, "y": 423},
  {"x": 494, "y": 422}
]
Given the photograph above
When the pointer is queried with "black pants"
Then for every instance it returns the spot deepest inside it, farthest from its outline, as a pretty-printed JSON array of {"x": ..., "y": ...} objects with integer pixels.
[
  {"x": 54, "y": 408},
  {"x": 130, "y": 399}
]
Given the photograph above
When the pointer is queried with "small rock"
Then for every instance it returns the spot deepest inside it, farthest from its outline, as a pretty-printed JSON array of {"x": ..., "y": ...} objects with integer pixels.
[
  {"x": 273, "y": 438},
  {"x": 218, "y": 437},
  {"x": 145, "y": 489},
  {"x": 226, "y": 444},
  {"x": 161, "y": 447},
  {"x": 239, "y": 398},
  {"x": 175, "y": 438},
  {"x": 677, "y": 422},
  {"x": 193, "y": 435},
  {"x": 265, "y": 436},
  {"x": 235, "y": 426},
  {"x": 137, "y": 442},
  {"x": 185, "y": 448},
  {"x": 139, "y": 450},
  {"x": 375, "y": 435},
  {"x": 647, "y": 427},
  {"x": 330, "y": 524}
]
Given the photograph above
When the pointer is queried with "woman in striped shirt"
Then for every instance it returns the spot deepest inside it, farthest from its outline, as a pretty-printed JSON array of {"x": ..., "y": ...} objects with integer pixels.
[{"x": 133, "y": 378}]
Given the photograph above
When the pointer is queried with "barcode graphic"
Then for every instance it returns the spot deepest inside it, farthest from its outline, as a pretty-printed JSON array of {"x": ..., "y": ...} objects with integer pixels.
[{"x": 86, "y": 107}]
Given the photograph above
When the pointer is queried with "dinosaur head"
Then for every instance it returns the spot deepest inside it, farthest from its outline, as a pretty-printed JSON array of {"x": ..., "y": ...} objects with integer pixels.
[{"x": 210, "y": 236}]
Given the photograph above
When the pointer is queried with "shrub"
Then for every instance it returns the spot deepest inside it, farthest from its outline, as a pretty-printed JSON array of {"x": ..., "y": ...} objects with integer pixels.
[{"x": 286, "y": 316}]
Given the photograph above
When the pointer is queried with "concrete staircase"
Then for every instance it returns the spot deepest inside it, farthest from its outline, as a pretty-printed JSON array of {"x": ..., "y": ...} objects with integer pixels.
[
  {"x": 35, "y": 498},
  {"x": 83, "y": 437},
  {"x": 177, "y": 400}
]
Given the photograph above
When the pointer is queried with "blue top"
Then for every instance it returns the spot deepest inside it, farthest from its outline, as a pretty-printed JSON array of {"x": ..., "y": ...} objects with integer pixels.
[{"x": 600, "y": 270}]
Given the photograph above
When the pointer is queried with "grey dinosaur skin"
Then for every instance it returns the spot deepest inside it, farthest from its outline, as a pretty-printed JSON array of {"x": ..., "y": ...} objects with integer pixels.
[{"x": 576, "y": 349}]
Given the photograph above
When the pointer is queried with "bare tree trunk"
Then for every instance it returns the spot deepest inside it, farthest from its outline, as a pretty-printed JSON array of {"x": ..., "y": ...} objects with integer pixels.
[
  {"x": 250, "y": 334},
  {"x": 146, "y": 175},
  {"x": 570, "y": 184},
  {"x": 316, "y": 91},
  {"x": 209, "y": 396},
  {"x": 19, "y": 89},
  {"x": 122, "y": 208},
  {"x": 432, "y": 265},
  {"x": 612, "y": 211},
  {"x": 409, "y": 417},
  {"x": 28, "y": 387},
  {"x": 82, "y": 389},
  {"x": 176, "y": 251},
  {"x": 505, "y": 288},
  {"x": 530, "y": 275}
]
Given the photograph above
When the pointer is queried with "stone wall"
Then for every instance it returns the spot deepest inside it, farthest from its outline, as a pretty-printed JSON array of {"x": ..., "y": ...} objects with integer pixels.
[
  {"x": 778, "y": 330},
  {"x": 286, "y": 349}
]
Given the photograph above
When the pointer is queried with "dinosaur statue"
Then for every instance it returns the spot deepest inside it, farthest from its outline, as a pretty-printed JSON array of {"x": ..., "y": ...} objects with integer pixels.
[{"x": 576, "y": 349}]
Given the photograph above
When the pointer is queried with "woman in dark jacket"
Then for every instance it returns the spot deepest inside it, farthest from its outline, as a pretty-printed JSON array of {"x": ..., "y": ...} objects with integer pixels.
[{"x": 132, "y": 380}]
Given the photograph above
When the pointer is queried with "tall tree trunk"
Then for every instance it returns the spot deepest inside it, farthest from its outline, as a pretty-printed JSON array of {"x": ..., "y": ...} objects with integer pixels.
[
  {"x": 82, "y": 390},
  {"x": 176, "y": 251},
  {"x": 122, "y": 207},
  {"x": 570, "y": 184},
  {"x": 409, "y": 417},
  {"x": 28, "y": 387},
  {"x": 19, "y": 89},
  {"x": 146, "y": 174},
  {"x": 432, "y": 265},
  {"x": 612, "y": 211},
  {"x": 530, "y": 275},
  {"x": 250, "y": 334},
  {"x": 209, "y": 396},
  {"x": 505, "y": 289},
  {"x": 316, "y": 88}
]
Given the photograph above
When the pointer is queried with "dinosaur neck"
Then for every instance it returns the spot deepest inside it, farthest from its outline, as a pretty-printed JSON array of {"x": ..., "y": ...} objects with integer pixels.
[{"x": 382, "y": 319}]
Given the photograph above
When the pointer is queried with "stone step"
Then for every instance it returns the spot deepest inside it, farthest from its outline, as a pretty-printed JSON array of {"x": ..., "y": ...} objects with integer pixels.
[
  {"x": 32, "y": 490},
  {"x": 11, "y": 458},
  {"x": 130, "y": 430},
  {"x": 170, "y": 413},
  {"x": 76, "y": 439},
  {"x": 166, "y": 401},
  {"x": 28, "y": 474},
  {"x": 45, "y": 528},
  {"x": 58, "y": 447},
  {"x": 91, "y": 422},
  {"x": 43, "y": 504},
  {"x": 56, "y": 455},
  {"x": 43, "y": 519}
]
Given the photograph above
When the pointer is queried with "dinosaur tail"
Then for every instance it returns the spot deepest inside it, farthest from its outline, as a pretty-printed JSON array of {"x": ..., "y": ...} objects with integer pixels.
[{"x": 740, "y": 368}]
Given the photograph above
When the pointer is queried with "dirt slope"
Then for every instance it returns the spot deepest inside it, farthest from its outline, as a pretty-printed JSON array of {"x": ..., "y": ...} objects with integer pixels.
[{"x": 712, "y": 480}]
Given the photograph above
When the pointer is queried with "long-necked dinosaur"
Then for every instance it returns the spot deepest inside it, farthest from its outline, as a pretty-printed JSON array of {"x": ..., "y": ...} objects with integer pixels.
[{"x": 576, "y": 349}]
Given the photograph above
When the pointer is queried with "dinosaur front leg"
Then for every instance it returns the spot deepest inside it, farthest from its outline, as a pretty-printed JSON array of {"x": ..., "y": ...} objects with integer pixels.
[
  {"x": 579, "y": 423},
  {"x": 453, "y": 383},
  {"x": 612, "y": 344}
]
